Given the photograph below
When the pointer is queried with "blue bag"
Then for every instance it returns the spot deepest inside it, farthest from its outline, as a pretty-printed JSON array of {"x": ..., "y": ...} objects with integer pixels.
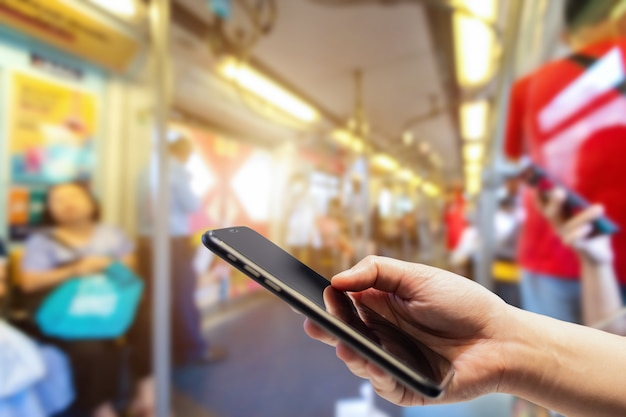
[{"x": 98, "y": 306}]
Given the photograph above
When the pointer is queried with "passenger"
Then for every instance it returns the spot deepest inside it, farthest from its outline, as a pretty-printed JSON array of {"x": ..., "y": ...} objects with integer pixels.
[
  {"x": 71, "y": 217},
  {"x": 301, "y": 234},
  {"x": 31, "y": 394},
  {"x": 336, "y": 249},
  {"x": 454, "y": 216},
  {"x": 409, "y": 227},
  {"x": 494, "y": 347},
  {"x": 507, "y": 226},
  {"x": 188, "y": 343},
  {"x": 568, "y": 119}
]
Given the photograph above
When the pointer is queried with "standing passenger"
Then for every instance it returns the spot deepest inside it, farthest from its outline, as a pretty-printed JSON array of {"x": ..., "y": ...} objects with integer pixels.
[
  {"x": 569, "y": 117},
  {"x": 188, "y": 343}
]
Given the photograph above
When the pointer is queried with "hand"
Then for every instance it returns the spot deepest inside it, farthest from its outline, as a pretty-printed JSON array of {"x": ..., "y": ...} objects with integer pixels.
[
  {"x": 91, "y": 265},
  {"x": 456, "y": 317},
  {"x": 575, "y": 231}
]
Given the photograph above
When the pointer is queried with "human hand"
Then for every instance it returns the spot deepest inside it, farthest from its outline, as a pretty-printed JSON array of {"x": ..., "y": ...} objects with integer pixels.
[
  {"x": 457, "y": 318},
  {"x": 575, "y": 231},
  {"x": 91, "y": 265}
]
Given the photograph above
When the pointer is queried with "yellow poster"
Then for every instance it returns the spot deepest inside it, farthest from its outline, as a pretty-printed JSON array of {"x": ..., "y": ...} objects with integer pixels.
[{"x": 51, "y": 131}]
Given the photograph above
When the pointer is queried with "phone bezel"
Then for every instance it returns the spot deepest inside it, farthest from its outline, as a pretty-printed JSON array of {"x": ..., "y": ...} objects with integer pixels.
[{"x": 338, "y": 328}]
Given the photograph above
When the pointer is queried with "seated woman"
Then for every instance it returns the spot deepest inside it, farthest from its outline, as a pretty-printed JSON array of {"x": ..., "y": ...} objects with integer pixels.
[{"x": 74, "y": 243}]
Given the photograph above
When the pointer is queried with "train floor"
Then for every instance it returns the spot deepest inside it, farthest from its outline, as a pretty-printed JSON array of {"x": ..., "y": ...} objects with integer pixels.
[{"x": 274, "y": 370}]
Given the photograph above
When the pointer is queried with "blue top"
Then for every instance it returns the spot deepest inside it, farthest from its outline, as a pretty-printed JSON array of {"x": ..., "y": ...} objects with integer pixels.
[
  {"x": 183, "y": 202},
  {"x": 43, "y": 253}
]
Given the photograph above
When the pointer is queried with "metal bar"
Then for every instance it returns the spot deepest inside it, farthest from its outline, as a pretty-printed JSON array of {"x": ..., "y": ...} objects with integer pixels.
[
  {"x": 488, "y": 198},
  {"x": 159, "y": 27}
]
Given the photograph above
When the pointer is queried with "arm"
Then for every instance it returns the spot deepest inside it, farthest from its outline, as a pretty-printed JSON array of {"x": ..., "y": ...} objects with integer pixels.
[
  {"x": 493, "y": 347},
  {"x": 601, "y": 296},
  {"x": 39, "y": 269},
  {"x": 130, "y": 261},
  {"x": 575, "y": 370},
  {"x": 33, "y": 281}
]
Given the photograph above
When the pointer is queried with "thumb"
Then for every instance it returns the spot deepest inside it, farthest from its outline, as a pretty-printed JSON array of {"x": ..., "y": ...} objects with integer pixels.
[{"x": 384, "y": 274}]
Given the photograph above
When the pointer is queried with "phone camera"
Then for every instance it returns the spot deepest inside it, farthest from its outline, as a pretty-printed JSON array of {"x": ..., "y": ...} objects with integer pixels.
[{"x": 234, "y": 230}]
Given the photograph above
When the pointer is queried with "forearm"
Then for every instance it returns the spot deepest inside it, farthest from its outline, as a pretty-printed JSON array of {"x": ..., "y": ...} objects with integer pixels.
[
  {"x": 34, "y": 281},
  {"x": 575, "y": 370},
  {"x": 600, "y": 292},
  {"x": 129, "y": 261}
]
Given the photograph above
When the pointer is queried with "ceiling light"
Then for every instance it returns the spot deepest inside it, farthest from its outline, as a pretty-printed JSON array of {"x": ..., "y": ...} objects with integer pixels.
[
  {"x": 348, "y": 140},
  {"x": 474, "y": 42},
  {"x": 416, "y": 181},
  {"x": 473, "y": 185},
  {"x": 474, "y": 119},
  {"x": 385, "y": 162},
  {"x": 258, "y": 84},
  {"x": 430, "y": 189},
  {"x": 405, "y": 174},
  {"x": 407, "y": 138},
  {"x": 120, "y": 7},
  {"x": 342, "y": 136},
  {"x": 473, "y": 168},
  {"x": 473, "y": 152},
  {"x": 357, "y": 145}
]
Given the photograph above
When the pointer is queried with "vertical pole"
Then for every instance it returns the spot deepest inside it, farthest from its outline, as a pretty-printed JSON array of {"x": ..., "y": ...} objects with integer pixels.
[
  {"x": 159, "y": 27},
  {"x": 487, "y": 203}
]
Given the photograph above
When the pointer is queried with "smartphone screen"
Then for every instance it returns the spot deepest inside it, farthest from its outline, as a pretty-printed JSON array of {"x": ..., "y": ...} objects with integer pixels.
[{"x": 265, "y": 262}]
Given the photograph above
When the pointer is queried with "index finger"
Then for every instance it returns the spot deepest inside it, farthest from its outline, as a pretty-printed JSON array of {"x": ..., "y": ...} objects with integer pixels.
[{"x": 385, "y": 274}]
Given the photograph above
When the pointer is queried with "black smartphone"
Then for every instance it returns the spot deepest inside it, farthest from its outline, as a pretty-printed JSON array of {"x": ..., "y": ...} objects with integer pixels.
[
  {"x": 535, "y": 176},
  {"x": 411, "y": 362}
]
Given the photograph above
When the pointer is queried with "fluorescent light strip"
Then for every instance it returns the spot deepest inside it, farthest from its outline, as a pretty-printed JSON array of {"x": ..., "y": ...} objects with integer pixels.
[
  {"x": 473, "y": 185},
  {"x": 120, "y": 7},
  {"x": 474, "y": 42},
  {"x": 474, "y": 116},
  {"x": 261, "y": 86},
  {"x": 385, "y": 162},
  {"x": 473, "y": 152},
  {"x": 430, "y": 189}
]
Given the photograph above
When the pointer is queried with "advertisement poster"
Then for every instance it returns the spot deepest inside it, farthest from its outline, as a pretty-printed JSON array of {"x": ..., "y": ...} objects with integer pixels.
[
  {"x": 25, "y": 210},
  {"x": 51, "y": 132}
]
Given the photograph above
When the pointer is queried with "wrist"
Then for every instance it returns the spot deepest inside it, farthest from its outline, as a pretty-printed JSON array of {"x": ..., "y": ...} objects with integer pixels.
[
  {"x": 527, "y": 353},
  {"x": 590, "y": 262}
]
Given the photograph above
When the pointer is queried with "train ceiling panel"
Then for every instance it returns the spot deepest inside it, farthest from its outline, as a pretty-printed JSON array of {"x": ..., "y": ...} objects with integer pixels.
[{"x": 317, "y": 47}]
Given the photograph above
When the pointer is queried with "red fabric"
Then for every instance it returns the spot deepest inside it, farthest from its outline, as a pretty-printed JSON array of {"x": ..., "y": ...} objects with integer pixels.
[
  {"x": 454, "y": 219},
  {"x": 592, "y": 163}
]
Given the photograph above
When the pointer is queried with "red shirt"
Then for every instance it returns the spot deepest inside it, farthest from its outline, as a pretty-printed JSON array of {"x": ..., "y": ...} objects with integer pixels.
[
  {"x": 454, "y": 219},
  {"x": 571, "y": 120}
]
